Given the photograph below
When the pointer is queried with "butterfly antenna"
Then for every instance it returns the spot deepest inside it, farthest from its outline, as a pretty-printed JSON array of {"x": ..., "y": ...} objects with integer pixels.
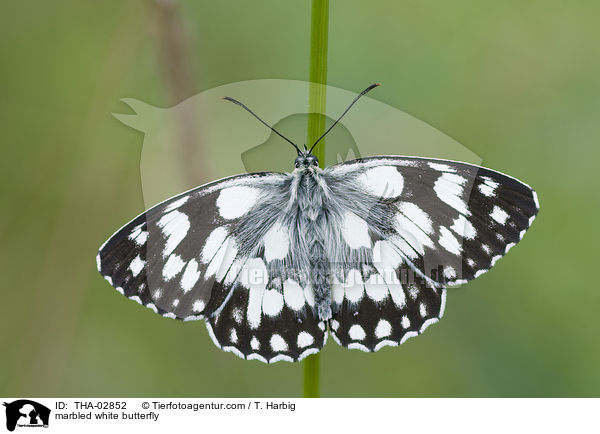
[
  {"x": 235, "y": 101},
  {"x": 374, "y": 85}
]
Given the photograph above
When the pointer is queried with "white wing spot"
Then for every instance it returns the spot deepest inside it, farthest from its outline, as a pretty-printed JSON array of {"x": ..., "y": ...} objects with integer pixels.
[
  {"x": 441, "y": 167},
  {"x": 305, "y": 339},
  {"x": 172, "y": 267},
  {"x": 272, "y": 302},
  {"x": 354, "y": 288},
  {"x": 234, "y": 202},
  {"x": 293, "y": 295},
  {"x": 417, "y": 216},
  {"x": 487, "y": 189},
  {"x": 383, "y": 329},
  {"x": 234, "y": 271},
  {"x": 309, "y": 295},
  {"x": 396, "y": 292},
  {"x": 337, "y": 293},
  {"x": 386, "y": 258},
  {"x": 213, "y": 243},
  {"x": 448, "y": 241},
  {"x": 486, "y": 249},
  {"x": 408, "y": 250},
  {"x": 423, "y": 309},
  {"x": 278, "y": 344},
  {"x": 136, "y": 265},
  {"x": 412, "y": 235},
  {"x": 376, "y": 289},
  {"x": 357, "y": 333},
  {"x": 276, "y": 242},
  {"x": 255, "y": 267},
  {"x": 138, "y": 236},
  {"x": 174, "y": 226},
  {"x": 334, "y": 324},
  {"x": 449, "y": 189},
  {"x": 237, "y": 315},
  {"x": 405, "y": 322},
  {"x": 176, "y": 204},
  {"x": 223, "y": 259},
  {"x": 499, "y": 215},
  {"x": 383, "y": 181},
  {"x": 355, "y": 231},
  {"x": 449, "y": 272},
  {"x": 254, "y": 344},
  {"x": 198, "y": 305},
  {"x": 413, "y": 291},
  {"x": 464, "y": 228},
  {"x": 233, "y": 336},
  {"x": 190, "y": 276}
]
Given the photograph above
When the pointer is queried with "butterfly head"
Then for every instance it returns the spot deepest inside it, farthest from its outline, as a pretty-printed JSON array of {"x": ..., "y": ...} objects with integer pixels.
[{"x": 306, "y": 160}]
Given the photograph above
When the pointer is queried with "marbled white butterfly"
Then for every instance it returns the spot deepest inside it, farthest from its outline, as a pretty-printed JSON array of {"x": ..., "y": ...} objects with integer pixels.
[{"x": 363, "y": 250}]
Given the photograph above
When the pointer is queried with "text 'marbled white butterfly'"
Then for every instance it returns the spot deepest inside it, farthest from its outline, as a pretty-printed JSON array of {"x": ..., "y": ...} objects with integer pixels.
[{"x": 363, "y": 250}]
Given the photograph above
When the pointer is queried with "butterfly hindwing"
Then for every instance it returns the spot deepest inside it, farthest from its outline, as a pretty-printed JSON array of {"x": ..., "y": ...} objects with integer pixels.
[
  {"x": 267, "y": 324},
  {"x": 372, "y": 313},
  {"x": 382, "y": 301}
]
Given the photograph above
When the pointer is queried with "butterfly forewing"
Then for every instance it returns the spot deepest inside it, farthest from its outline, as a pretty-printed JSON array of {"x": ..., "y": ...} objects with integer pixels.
[
  {"x": 452, "y": 221},
  {"x": 181, "y": 257}
]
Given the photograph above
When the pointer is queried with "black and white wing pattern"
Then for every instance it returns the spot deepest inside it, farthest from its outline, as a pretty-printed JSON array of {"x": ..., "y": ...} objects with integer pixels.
[
  {"x": 215, "y": 253},
  {"x": 450, "y": 222},
  {"x": 366, "y": 247}
]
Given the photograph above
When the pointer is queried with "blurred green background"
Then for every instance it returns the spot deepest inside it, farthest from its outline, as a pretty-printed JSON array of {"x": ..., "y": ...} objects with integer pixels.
[{"x": 515, "y": 82}]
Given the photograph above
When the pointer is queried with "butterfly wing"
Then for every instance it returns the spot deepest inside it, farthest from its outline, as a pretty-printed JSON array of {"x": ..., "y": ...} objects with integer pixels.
[
  {"x": 445, "y": 223},
  {"x": 195, "y": 256},
  {"x": 268, "y": 325},
  {"x": 371, "y": 314}
]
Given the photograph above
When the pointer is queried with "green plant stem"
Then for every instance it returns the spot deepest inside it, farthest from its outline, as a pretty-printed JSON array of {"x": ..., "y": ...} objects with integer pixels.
[
  {"x": 318, "y": 75},
  {"x": 316, "y": 127}
]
